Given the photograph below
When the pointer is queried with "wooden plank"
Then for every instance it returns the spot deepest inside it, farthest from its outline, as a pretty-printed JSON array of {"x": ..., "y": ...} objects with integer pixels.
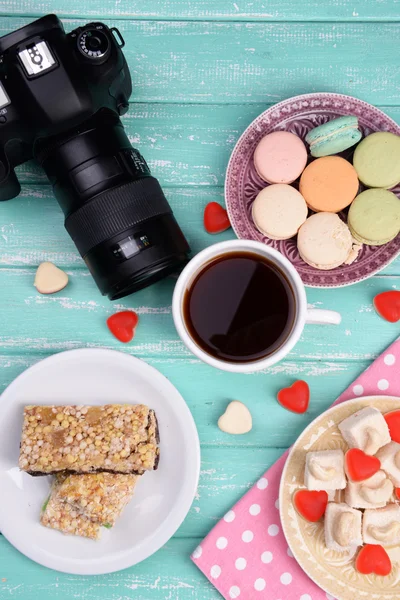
[
  {"x": 44, "y": 323},
  {"x": 25, "y": 239},
  {"x": 205, "y": 62},
  {"x": 168, "y": 575},
  {"x": 243, "y": 10},
  {"x": 208, "y": 392},
  {"x": 185, "y": 145}
]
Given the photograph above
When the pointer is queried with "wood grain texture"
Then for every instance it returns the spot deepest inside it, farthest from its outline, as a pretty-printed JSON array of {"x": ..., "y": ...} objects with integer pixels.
[
  {"x": 242, "y": 10},
  {"x": 171, "y": 577},
  {"x": 186, "y": 61},
  {"x": 202, "y": 72},
  {"x": 184, "y": 144},
  {"x": 47, "y": 325}
]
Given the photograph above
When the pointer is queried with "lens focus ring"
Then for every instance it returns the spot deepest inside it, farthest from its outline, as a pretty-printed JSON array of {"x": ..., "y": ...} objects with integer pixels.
[{"x": 114, "y": 211}]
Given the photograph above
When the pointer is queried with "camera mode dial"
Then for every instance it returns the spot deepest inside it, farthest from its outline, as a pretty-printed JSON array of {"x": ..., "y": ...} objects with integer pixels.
[{"x": 94, "y": 44}]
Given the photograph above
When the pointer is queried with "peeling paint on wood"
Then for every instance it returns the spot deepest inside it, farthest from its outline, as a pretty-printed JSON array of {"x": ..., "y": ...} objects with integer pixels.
[
  {"x": 243, "y": 10},
  {"x": 186, "y": 61},
  {"x": 47, "y": 325}
]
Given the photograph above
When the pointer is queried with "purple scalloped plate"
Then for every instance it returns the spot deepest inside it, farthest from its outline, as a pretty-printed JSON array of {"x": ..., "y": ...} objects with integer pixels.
[{"x": 298, "y": 115}]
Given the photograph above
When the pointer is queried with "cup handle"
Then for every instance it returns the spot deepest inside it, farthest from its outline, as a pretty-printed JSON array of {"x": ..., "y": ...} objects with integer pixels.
[{"x": 317, "y": 316}]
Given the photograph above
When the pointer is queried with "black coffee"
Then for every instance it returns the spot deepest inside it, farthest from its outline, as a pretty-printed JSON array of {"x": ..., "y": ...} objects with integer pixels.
[{"x": 240, "y": 307}]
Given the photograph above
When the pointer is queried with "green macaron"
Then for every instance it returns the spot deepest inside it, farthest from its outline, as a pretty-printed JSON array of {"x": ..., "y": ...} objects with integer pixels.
[
  {"x": 334, "y": 136},
  {"x": 374, "y": 217},
  {"x": 377, "y": 160}
]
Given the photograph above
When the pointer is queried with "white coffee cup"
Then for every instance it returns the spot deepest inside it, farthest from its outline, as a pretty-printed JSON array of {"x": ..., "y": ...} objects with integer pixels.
[{"x": 303, "y": 314}]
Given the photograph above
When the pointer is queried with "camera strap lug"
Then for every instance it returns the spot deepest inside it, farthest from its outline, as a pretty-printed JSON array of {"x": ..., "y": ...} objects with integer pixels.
[{"x": 118, "y": 37}]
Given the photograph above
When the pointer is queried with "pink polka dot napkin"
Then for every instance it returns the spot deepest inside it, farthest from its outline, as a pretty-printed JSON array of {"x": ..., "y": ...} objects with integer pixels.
[{"x": 246, "y": 555}]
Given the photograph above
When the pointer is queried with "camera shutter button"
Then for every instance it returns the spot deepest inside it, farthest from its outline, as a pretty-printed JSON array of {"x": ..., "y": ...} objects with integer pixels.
[{"x": 3, "y": 119}]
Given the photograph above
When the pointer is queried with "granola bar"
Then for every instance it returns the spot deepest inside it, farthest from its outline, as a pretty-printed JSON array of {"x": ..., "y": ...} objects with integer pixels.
[
  {"x": 61, "y": 516},
  {"x": 116, "y": 438},
  {"x": 100, "y": 497}
]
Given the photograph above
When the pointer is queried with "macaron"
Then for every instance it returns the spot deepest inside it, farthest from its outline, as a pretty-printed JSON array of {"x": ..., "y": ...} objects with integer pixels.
[
  {"x": 324, "y": 241},
  {"x": 334, "y": 136},
  {"x": 280, "y": 157},
  {"x": 374, "y": 217},
  {"x": 329, "y": 184},
  {"x": 278, "y": 211},
  {"x": 377, "y": 160}
]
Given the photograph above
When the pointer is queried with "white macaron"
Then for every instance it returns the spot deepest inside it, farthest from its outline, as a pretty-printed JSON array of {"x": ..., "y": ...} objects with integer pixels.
[
  {"x": 325, "y": 241},
  {"x": 278, "y": 211}
]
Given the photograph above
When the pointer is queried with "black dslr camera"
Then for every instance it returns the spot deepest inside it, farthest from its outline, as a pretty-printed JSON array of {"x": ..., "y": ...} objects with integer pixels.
[{"x": 61, "y": 97}]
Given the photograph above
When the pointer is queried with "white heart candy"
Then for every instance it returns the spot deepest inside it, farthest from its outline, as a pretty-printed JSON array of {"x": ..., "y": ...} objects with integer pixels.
[
  {"x": 50, "y": 279},
  {"x": 236, "y": 419}
]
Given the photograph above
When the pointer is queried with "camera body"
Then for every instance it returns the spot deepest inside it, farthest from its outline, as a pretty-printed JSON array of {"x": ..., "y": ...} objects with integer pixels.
[
  {"x": 61, "y": 98},
  {"x": 83, "y": 80}
]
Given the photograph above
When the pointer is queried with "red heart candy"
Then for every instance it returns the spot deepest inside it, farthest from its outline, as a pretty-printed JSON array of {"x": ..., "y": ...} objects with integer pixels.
[
  {"x": 310, "y": 505},
  {"x": 397, "y": 492},
  {"x": 373, "y": 559},
  {"x": 393, "y": 422},
  {"x": 360, "y": 466},
  {"x": 296, "y": 397},
  {"x": 387, "y": 305},
  {"x": 123, "y": 324},
  {"x": 215, "y": 218}
]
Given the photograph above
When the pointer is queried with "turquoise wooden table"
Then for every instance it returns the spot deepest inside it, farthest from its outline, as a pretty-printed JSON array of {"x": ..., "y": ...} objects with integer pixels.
[{"x": 202, "y": 70}]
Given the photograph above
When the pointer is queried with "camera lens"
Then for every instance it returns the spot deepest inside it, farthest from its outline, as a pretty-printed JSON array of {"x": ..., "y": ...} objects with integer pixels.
[
  {"x": 93, "y": 43},
  {"x": 115, "y": 211}
]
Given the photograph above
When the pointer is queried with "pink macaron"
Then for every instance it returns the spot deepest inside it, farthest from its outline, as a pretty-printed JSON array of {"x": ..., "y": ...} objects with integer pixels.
[{"x": 280, "y": 157}]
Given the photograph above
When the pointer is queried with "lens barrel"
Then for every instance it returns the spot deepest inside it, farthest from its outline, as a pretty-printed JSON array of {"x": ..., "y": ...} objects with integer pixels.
[{"x": 115, "y": 211}]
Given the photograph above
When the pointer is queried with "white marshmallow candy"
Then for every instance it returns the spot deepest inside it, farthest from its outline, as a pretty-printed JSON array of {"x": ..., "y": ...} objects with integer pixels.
[
  {"x": 382, "y": 526},
  {"x": 236, "y": 419},
  {"x": 389, "y": 456},
  {"x": 374, "y": 492},
  {"x": 342, "y": 528},
  {"x": 325, "y": 470},
  {"x": 366, "y": 430},
  {"x": 49, "y": 279}
]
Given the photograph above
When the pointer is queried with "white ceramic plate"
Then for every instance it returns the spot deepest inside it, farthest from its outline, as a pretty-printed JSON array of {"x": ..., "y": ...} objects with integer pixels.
[
  {"x": 334, "y": 572},
  {"x": 162, "y": 498}
]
